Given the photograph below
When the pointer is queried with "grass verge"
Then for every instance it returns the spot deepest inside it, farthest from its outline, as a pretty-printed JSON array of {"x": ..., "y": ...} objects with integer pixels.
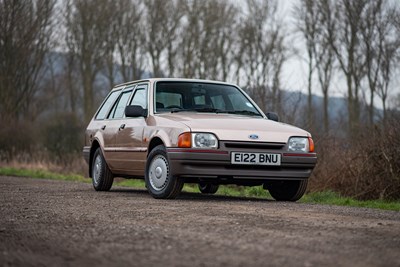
[
  {"x": 37, "y": 173},
  {"x": 327, "y": 197}
]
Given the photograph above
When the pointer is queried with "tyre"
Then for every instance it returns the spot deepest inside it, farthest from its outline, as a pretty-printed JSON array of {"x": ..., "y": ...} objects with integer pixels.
[
  {"x": 287, "y": 190},
  {"x": 102, "y": 177},
  {"x": 207, "y": 188},
  {"x": 159, "y": 181}
]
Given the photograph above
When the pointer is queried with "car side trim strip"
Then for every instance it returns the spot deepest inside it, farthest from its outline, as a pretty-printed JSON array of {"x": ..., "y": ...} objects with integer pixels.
[
  {"x": 123, "y": 149},
  {"x": 313, "y": 155},
  {"x": 178, "y": 150}
]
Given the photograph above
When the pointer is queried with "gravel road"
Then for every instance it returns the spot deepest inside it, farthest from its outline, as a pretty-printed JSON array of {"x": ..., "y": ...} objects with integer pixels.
[{"x": 56, "y": 223}]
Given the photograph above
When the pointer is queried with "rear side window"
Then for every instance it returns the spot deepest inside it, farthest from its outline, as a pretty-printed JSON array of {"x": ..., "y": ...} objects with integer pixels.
[{"x": 101, "y": 115}]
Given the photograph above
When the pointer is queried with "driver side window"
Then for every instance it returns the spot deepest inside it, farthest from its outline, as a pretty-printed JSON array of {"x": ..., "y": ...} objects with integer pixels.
[
  {"x": 140, "y": 98},
  {"x": 119, "y": 108}
]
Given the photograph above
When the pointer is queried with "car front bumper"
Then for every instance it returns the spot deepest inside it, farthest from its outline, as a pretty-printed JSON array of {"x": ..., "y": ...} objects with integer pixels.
[{"x": 199, "y": 163}]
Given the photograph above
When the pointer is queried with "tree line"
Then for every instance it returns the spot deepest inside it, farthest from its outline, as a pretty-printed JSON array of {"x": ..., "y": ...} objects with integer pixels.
[
  {"x": 360, "y": 41},
  {"x": 243, "y": 42}
]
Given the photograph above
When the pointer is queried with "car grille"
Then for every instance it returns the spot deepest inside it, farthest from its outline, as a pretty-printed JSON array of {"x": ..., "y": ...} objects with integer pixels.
[{"x": 253, "y": 145}]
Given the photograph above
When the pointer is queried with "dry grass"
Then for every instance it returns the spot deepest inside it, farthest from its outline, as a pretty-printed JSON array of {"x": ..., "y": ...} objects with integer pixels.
[
  {"x": 51, "y": 144},
  {"x": 75, "y": 164},
  {"x": 367, "y": 168}
]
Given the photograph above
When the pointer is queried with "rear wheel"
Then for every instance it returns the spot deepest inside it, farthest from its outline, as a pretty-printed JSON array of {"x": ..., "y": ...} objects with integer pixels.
[
  {"x": 207, "y": 188},
  {"x": 159, "y": 181},
  {"x": 102, "y": 177},
  {"x": 287, "y": 190}
]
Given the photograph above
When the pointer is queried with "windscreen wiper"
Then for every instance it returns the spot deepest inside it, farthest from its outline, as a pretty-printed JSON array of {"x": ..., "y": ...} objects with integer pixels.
[
  {"x": 243, "y": 112},
  {"x": 176, "y": 110}
]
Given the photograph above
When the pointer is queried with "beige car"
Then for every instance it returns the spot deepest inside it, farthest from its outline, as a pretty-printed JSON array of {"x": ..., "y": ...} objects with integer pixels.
[{"x": 176, "y": 131}]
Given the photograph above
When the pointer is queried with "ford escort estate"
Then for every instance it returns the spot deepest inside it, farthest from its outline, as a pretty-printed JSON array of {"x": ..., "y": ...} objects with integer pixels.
[{"x": 175, "y": 131}]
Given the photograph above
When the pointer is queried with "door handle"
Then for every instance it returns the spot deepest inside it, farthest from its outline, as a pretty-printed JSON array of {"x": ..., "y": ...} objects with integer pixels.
[
  {"x": 122, "y": 127},
  {"x": 103, "y": 127}
]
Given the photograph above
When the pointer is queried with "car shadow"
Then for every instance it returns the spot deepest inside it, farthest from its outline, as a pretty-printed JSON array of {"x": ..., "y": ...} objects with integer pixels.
[
  {"x": 205, "y": 197},
  {"x": 193, "y": 196},
  {"x": 129, "y": 190}
]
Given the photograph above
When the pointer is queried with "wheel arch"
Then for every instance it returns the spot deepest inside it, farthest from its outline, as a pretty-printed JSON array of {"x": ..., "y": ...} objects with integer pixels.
[
  {"x": 155, "y": 141},
  {"x": 93, "y": 148}
]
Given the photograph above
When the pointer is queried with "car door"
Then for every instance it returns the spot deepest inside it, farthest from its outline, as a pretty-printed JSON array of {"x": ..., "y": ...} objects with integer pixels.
[
  {"x": 101, "y": 126},
  {"x": 130, "y": 149},
  {"x": 113, "y": 126}
]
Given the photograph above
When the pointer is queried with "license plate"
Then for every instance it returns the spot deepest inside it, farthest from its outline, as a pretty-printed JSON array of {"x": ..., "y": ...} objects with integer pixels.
[{"x": 256, "y": 158}]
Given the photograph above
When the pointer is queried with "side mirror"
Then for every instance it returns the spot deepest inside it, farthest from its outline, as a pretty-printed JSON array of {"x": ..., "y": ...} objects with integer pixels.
[
  {"x": 272, "y": 116},
  {"x": 135, "y": 111}
]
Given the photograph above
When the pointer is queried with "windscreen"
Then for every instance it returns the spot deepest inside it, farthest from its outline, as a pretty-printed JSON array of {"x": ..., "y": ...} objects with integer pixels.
[{"x": 201, "y": 97}]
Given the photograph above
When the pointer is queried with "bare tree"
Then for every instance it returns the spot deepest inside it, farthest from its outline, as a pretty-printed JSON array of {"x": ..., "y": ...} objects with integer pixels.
[
  {"x": 307, "y": 15},
  {"x": 381, "y": 45},
  {"x": 25, "y": 39},
  {"x": 324, "y": 55},
  {"x": 163, "y": 21},
  {"x": 189, "y": 54},
  {"x": 109, "y": 69},
  {"x": 345, "y": 39},
  {"x": 88, "y": 24},
  {"x": 126, "y": 45},
  {"x": 262, "y": 53},
  {"x": 390, "y": 49},
  {"x": 71, "y": 82},
  {"x": 208, "y": 40},
  {"x": 227, "y": 40},
  {"x": 358, "y": 34},
  {"x": 131, "y": 45},
  {"x": 388, "y": 64}
]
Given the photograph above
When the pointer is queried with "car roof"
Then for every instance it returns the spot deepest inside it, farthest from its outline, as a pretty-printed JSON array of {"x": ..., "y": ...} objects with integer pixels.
[{"x": 171, "y": 80}]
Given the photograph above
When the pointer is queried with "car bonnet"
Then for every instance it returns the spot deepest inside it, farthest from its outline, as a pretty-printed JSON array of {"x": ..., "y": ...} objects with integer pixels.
[{"x": 237, "y": 127}]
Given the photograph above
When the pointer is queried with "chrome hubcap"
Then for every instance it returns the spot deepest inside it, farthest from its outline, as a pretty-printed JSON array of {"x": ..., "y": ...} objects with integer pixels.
[
  {"x": 96, "y": 172},
  {"x": 158, "y": 173}
]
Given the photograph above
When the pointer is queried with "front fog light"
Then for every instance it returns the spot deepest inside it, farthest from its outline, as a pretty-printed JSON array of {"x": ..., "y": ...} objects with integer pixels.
[
  {"x": 298, "y": 144},
  {"x": 204, "y": 140}
]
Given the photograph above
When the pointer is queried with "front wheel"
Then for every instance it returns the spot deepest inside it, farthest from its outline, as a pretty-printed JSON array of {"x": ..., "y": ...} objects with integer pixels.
[
  {"x": 207, "y": 188},
  {"x": 159, "y": 181},
  {"x": 102, "y": 177},
  {"x": 287, "y": 190}
]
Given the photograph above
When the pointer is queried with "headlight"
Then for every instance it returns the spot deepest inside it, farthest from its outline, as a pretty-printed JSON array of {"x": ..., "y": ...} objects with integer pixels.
[
  {"x": 204, "y": 140},
  {"x": 299, "y": 144},
  {"x": 197, "y": 140}
]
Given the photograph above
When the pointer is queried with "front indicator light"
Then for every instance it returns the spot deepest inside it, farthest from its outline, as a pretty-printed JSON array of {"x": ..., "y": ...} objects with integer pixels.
[
  {"x": 311, "y": 144},
  {"x": 185, "y": 140}
]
